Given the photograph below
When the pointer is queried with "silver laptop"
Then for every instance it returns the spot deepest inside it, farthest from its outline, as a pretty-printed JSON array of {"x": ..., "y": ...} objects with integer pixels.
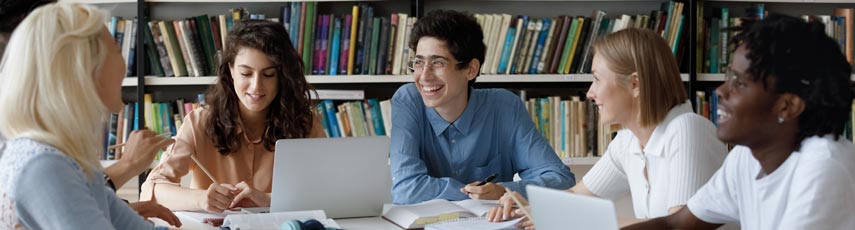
[
  {"x": 556, "y": 209},
  {"x": 345, "y": 177}
]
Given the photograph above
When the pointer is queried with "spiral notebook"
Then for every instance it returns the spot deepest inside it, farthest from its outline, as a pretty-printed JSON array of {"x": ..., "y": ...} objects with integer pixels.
[{"x": 474, "y": 223}]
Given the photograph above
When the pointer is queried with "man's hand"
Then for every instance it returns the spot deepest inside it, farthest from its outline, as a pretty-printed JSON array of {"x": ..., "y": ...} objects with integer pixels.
[
  {"x": 488, "y": 191},
  {"x": 151, "y": 209}
]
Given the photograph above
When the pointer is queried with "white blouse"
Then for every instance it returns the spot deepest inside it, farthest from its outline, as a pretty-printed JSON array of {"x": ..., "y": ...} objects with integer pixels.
[
  {"x": 681, "y": 155},
  {"x": 813, "y": 189}
]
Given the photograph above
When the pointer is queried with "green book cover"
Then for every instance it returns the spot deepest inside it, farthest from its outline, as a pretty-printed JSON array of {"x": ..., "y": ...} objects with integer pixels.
[
  {"x": 375, "y": 33},
  {"x": 173, "y": 40},
  {"x": 308, "y": 35},
  {"x": 570, "y": 34},
  {"x": 203, "y": 26}
]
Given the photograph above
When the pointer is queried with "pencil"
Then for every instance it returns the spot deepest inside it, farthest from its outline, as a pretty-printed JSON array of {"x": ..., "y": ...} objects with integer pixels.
[
  {"x": 164, "y": 135},
  {"x": 204, "y": 169},
  {"x": 519, "y": 204}
]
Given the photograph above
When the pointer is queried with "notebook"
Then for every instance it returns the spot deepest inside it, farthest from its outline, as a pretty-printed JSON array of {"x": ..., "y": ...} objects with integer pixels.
[
  {"x": 474, "y": 223},
  {"x": 433, "y": 211},
  {"x": 275, "y": 220},
  {"x": 215, "y": 219}
]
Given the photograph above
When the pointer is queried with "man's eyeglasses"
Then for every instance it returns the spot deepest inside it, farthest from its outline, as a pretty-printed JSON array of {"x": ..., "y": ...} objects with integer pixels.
[{"x": 418, "y": 65}]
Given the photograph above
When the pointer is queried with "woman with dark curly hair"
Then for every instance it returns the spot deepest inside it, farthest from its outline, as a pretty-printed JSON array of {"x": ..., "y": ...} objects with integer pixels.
[
  {"x": 785, "y": 103},
  {"x": 261, "y": 96}
]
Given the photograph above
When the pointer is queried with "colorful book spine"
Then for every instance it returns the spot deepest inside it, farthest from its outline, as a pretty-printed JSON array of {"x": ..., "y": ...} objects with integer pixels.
[
  {"x": 333, "y": 121},
  {"x": 351, "y": 52},
  {"x": 334, "y": 57}
]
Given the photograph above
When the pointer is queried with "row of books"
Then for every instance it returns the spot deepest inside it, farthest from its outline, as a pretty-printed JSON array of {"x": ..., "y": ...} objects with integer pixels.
[
  {"x": 369, "y": 117},
  {"x": 563, "y": 123},
  {"x": 359, "y": 43},
  {"x": 125, "y": 33},
  {"x": 706, "y": 105},
  {"x": 717, "y": 52},
  {"x": 562, "y": 45},
  {"x": 160, "y": 117}
]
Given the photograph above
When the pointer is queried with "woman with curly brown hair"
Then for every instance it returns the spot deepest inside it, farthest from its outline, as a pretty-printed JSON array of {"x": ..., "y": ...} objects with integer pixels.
[{"x": 261, "y": 96}]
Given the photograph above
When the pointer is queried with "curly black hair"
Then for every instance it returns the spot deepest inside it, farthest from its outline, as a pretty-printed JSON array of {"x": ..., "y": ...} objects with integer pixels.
[
  {"x": 460, "y": 31},
  {"x": 13, "y": 12},
  {"x": 289, "y": 115},
  {"x": 802, "y": 60}
]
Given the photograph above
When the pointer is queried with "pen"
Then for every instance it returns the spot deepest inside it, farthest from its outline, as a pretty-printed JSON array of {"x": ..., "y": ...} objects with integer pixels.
[
  {"x": 517, "y": 201},
  {"x": 164, "y": 135},
  {"x": 488, "y": 180},
  {"x": 204, "y": 169}
]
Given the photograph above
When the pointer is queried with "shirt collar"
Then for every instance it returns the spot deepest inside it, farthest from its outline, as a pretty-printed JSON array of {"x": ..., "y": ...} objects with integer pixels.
[
  {"x": 657, "y": 140},
  {"x": 463, "y": 123}
]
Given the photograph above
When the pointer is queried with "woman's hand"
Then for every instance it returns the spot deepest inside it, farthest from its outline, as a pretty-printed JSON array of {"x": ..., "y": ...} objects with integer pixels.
[
  {"x": 506, "y": 211},
  {"x": 216, "y": 198},
  {"x": 246, "y": 197},
  {"x": 151, "y": 209}
]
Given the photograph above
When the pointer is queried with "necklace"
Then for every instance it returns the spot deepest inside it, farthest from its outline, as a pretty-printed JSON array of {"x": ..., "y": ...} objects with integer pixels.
[{"x": 259, "y": 139}]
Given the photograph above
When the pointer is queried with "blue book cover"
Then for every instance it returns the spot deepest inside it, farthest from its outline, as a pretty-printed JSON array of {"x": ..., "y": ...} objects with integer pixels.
[
  {"x": 376, "y": 117},
  {"x": 229, "y": 22},
  {"x": 137, "y": 116},
  {"x": 295, "y": 23},
  {"x": 563, "y": 123},
  {"x": 114, "y": 21},
  {"x": 538, "y": 51},
  {"x": 285, "y": 17},
  {"x": 333, "y": 63},
  {"x": 506, "y": 51},
  {"x": 319, "y": 109},
  {"x": 333, "y": 121},
  {"x": 514, "y": 61}
]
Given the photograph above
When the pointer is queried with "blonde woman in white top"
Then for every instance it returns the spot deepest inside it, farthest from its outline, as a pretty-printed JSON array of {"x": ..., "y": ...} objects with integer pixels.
[{"x": 665, "y": 152}]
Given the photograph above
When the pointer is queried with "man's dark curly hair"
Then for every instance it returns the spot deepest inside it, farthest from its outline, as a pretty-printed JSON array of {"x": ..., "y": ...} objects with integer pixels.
[
  {"x": 288, "y": 116},
  {"x": 461, "y": 32},
  {"x": 801, "y": 59},
  {"x": 13, "y": 12}
]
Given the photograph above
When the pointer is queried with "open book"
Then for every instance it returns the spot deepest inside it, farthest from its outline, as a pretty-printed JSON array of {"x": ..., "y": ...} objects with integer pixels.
[
  {"x": 237, "y": 220},
  {"x": 433, "y": 211}
]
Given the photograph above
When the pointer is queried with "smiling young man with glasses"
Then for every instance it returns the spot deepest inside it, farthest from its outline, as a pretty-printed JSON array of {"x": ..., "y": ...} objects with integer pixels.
[{"x": 447, "y": 137}]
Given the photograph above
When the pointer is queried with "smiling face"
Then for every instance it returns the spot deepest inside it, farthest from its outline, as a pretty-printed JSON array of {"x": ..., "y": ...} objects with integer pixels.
[
  {"x": 108, "y": 79},
  {"x": 614, "y": 98},
  {"x": 255, "y": 80},
  {"x": 440, "y": 82},
  {"x": 745, "y": 109}
]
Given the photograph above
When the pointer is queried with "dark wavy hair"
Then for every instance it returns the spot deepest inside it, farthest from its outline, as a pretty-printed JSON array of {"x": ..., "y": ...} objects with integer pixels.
[
  {"x": 804, "y": 61},
  {"x": 13, "y": 12},
  {"x": 461, "y": 32},
  {"x": 289, "y": 115}
]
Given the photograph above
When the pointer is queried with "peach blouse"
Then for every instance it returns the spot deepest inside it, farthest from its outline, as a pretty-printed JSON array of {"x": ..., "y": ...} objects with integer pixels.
[{"x": 252, "y": 163}]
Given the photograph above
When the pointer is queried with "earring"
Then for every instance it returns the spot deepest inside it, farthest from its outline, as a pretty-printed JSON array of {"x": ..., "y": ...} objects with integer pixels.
[{"x": 780, "y": 120}]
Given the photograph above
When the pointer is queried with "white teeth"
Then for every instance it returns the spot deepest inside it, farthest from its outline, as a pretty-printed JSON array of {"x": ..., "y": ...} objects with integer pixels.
[
  {"x": 431, "y": 88},
  {"x": 722, "y": 113}
]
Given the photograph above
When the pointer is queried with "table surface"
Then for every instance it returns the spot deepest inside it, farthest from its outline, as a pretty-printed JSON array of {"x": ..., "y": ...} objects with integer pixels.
[{"x": 366, "y": 223}]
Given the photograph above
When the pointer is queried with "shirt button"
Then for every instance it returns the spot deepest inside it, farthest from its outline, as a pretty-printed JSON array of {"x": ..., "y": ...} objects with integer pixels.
[{"x": 453, "y": 141}]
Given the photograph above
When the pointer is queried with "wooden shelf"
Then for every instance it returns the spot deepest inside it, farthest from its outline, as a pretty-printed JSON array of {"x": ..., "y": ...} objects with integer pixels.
[
  {"x": 580, "y": 160},
  {"x": 786, "y": 1},
  {"x": 719, "y": 77},
  {"x": 242, "y": 1},
  {"x": 99, "y": 1},
  {"x": 371, "y": 79},
  {"x": 107, "y": 163}
]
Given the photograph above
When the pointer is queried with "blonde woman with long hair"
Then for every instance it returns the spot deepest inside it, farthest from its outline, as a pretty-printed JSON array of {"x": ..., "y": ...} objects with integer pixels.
[
  {"x": 665, "y": 152},
  {"x": 61, "y": 76}
]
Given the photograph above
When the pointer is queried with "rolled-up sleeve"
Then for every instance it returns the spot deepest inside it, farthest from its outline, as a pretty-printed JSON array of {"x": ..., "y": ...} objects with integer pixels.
[
  {"x": 175, "y": 161},
  {"x": 533, "y": 158}
]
